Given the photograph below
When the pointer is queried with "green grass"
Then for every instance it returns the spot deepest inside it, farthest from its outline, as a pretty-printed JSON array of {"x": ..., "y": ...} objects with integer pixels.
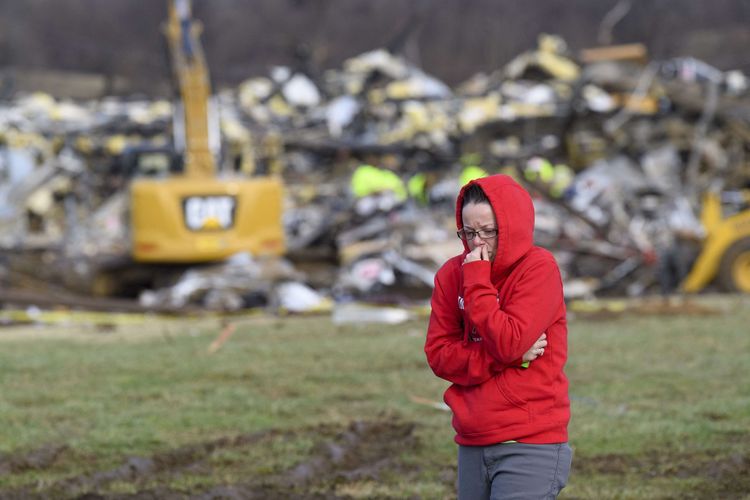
[{"x": 661, "y": 408}]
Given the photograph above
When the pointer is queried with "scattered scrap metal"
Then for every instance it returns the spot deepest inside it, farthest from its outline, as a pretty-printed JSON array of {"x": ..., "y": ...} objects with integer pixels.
[{"x": 616, "y": 149}]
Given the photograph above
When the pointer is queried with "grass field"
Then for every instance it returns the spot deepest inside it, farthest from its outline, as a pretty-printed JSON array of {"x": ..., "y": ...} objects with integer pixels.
[{"x": 301, "y": 408}]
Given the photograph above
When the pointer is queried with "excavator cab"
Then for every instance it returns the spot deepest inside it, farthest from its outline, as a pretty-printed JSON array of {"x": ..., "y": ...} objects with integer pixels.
[
  {"x": 150, "y": 161},
  {"x": 182, "y": 209}
]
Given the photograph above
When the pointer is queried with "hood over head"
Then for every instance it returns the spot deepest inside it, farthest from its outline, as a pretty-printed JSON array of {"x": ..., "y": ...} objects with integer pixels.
[{"x": 514, "y": 213}]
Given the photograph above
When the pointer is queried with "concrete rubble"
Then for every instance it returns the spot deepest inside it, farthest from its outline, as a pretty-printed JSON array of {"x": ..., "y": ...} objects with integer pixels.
[{"x": 617, "y": 151}]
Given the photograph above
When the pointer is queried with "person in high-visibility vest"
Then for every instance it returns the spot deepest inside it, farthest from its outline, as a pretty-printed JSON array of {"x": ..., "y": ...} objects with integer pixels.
[
  {"x": 368, "y": 180},
  {"x": 472, "y": 172},
  {"x": 562, "y": 180},
  {"x": 471, "y": 168},
  {"x": 556, "y": 178},
  {"x": 539, "y": 169},
  {"x": 420, "y": 186},
  {"x": 376, "y": 189},
  {"x": 417, "y": 187}
]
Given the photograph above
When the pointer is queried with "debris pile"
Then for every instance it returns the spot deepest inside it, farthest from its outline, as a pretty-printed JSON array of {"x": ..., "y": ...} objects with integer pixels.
[{"x": 617, "y": 151}]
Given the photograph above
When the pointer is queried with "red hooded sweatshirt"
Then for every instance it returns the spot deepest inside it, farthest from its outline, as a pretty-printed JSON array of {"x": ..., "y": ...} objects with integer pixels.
[{"x": 486, "y": 315}]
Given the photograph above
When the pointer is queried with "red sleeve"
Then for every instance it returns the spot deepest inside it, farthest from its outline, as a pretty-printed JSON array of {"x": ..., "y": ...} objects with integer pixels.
[
  {"x": 531, "y": 307},
  {"x": 463, "y": 363}
]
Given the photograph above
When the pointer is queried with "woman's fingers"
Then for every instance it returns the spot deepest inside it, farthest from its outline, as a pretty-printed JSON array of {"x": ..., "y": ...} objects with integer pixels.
[
  {"x": 537, "y": 349},
  {"x": 540, "y": 343},
  {"x": 475, "y": 254}
]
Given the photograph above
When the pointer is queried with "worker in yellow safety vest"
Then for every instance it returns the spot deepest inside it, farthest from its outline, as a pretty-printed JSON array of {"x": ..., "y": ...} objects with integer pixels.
[
  {"x": 417, "y": 187},
  {"x": 556, "y": 178},
  {"x": 368, "y": 180},
  {"x": 471, "y": 169},
  {"x": 472, "y": 172}
]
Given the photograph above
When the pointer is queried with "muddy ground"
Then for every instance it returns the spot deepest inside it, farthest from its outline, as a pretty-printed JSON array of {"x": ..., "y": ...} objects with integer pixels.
[
  {"x": 365, "y": 450},
  {"x": 722, "y": 476}
]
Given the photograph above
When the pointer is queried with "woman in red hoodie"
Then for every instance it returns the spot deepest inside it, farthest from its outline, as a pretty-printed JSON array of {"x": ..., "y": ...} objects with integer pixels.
[{"x": 492, "y": 308}]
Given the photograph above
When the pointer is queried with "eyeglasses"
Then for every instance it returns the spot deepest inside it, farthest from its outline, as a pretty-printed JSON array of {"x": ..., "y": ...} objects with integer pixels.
[{"x": 469, "y": 234}]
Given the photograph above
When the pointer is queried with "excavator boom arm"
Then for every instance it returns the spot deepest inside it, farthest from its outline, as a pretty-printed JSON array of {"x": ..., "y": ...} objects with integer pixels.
[{"x": 191, "y": 74}]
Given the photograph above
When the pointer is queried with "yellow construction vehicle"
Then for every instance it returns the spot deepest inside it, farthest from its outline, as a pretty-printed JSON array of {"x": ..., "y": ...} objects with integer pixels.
[
  {"x": 189, "y": 211},
  {"x": 725, "y": 255}
]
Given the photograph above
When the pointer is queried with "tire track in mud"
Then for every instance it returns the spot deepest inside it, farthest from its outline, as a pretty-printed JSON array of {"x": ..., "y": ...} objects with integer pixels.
[
  {"x": 726, "y": 475},
  {"x": 134, "y": 469},
  {"x": 37, "y": 459},
  {"x": 363, "y": 450}
]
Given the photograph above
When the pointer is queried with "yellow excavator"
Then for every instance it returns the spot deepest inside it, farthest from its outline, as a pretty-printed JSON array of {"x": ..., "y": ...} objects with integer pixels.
[
  {"x": 190, "y": 212},
  {"x": 725, "y": 254}
]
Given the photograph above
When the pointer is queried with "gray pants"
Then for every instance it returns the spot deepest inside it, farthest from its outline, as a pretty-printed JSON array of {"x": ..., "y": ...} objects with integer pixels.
[{"x": 513, "y": 471}]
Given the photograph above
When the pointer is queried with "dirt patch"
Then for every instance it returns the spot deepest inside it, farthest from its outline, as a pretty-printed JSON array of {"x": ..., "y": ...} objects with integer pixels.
[
  {"x": 360, "y": 452},
  {"x": 725, "y": 475},
  {"x": 40, "y": 458},
  {"x": 364, "y": 450},
  {"x": 137, "y": 470}
]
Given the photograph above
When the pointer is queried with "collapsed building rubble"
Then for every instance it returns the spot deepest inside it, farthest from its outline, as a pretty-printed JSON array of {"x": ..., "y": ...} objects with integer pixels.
[{"x": 617, "y": 151}]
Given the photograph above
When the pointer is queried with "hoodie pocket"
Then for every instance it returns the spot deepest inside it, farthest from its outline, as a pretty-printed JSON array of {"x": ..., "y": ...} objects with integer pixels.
[
  {"x": 485, "y": 407},
  {"x": 507, "y": 392}
]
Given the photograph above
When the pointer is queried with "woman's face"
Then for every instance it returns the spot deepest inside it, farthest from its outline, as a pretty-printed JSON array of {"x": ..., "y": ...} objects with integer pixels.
[{"x": 480, "y": 217}]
